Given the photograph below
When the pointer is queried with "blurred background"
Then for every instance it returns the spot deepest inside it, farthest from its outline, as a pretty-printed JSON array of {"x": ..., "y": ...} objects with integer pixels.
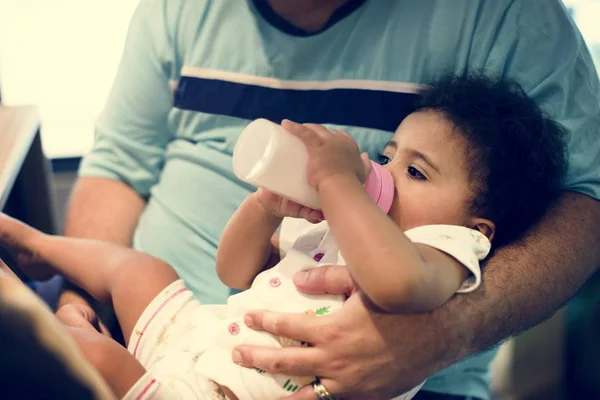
[{"x": 68, "y": 78}]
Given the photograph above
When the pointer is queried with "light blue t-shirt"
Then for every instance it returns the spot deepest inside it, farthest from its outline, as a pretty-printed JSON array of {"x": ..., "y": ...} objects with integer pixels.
[{"x": 194, "y": 72}]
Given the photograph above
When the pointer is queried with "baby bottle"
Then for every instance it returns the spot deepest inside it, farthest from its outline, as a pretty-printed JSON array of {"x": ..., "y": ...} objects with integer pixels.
[{"x": 267, "y": 155}]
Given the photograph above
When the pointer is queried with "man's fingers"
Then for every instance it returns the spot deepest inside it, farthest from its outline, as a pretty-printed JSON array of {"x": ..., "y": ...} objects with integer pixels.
[
  {"x": 292, "y": 361},
  {"x": 308, "y": 393},
  {"x": 328, "y": 279},
  {"x": 301, "y": 327},
  {"x": 308, "y": 136}
]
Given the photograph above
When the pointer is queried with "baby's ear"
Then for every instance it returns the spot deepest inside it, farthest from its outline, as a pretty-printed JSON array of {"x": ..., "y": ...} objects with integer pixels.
[{"x": 485, "y": 226}]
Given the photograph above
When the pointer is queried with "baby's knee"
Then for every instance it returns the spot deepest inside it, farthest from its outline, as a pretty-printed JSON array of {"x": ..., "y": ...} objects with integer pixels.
[{"x": 141, "y": 270}]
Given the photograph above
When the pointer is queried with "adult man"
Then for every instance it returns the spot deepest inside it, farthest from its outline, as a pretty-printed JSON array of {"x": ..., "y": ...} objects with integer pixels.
[{"x": 160, "y": 177}]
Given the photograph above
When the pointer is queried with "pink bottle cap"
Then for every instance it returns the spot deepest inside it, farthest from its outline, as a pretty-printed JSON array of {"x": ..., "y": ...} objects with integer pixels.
[{"x": 380, "y": 186}]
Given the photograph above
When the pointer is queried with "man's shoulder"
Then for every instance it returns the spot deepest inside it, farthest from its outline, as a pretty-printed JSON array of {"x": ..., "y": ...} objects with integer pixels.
[{"x": 174, "y": 12}]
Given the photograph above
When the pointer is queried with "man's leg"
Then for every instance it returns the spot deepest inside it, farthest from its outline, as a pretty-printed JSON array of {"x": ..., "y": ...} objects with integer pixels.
[{"x": 110, "y": 273}]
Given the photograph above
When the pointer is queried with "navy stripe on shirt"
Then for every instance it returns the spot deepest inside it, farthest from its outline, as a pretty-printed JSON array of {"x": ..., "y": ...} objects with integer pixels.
[{"x": 377, "y": 109}]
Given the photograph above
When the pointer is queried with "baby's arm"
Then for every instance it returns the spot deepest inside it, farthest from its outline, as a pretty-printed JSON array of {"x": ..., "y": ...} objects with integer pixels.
[
  {"x": 395, "y": 274},
  {"x": 249, "y": 244}
]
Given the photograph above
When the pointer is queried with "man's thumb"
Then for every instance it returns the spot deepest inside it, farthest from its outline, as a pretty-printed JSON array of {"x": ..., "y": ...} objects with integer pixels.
[{"x": 328, "y": 279}]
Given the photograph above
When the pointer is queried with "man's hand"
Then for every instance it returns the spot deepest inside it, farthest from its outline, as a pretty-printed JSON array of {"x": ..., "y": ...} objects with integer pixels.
[
  {"x": 327, "y": 279},
  {"x": 364, "y": 354},
  {"x": 356, "y": 352}
]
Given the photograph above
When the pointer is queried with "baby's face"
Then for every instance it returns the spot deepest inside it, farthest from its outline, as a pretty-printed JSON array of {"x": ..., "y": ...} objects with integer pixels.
[{"x": 426, "y": 159}]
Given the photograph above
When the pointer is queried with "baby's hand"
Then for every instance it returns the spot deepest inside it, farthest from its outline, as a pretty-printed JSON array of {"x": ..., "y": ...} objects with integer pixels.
[
  {"x": 331, "y": 153},
  {"x": 282, "y": 207}
]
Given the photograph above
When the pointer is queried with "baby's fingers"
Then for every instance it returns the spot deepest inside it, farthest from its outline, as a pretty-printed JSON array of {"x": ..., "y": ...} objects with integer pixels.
[
  {"x": 308, "y": 136},
  {"x": 366, "y": 163},
  {"x": 321, "y": 131},
  {"x": 311, "y": 215}
]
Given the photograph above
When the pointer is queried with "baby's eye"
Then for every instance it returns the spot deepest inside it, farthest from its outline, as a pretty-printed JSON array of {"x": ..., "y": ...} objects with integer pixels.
[
  {"x": 383, "y": 159},
  {"x": 415, "y": 174}
]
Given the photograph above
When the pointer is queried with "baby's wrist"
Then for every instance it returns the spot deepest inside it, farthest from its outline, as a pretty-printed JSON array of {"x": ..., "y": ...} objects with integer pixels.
[{"x": 341, "y": 178}]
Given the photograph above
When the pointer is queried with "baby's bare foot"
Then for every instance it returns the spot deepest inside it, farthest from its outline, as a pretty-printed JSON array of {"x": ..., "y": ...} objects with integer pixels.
[
  {"x": 78, "y": 316},
  {"x": 18, "y": 240}
]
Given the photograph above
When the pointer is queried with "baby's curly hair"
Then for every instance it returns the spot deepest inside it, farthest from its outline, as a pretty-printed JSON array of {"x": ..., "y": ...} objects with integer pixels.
[{"x": 517, "y": 154}]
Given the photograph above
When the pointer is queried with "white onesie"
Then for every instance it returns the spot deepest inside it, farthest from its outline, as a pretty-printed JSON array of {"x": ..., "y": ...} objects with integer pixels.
[{"x": 186, "y": 347}]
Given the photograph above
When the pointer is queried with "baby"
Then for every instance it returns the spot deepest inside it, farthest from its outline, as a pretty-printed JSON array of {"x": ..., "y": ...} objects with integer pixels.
[{"x": 477, "y": 161}]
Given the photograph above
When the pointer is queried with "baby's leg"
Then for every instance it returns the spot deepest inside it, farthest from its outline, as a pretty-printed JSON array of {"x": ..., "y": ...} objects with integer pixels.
[
  {"x": 23, "y": 313},
  {"x": 118, "y": 367},
  {"x": 110, "y": 273}
]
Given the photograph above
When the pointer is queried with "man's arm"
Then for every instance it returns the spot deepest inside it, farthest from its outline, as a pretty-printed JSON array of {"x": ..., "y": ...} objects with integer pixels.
[
  {"x": 362, "y": 353},
  {"x": 527, "y": 282},
  {"x": 103, "y": 209},
  {"x": 131, "y": 136}
]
